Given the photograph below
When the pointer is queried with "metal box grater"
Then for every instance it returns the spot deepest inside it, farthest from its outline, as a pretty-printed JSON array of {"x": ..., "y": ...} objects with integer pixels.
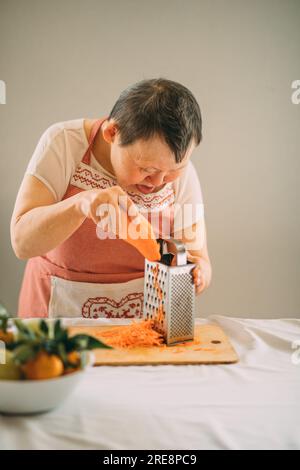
[{"x": 169, "y": 293}]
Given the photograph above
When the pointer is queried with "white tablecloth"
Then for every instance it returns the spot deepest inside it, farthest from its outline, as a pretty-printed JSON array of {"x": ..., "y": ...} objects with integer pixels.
[{"x": 254, "y": 404}]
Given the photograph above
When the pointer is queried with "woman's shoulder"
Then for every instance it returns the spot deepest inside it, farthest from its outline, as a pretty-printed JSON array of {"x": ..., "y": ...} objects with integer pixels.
[
  {"x": 57, "y": 154},
  {"x": 185, "y": 176},
  {"x": 187, "y": 186},
  {"x": 65, "y": 138},
  {"x": 66, "y": 129}
]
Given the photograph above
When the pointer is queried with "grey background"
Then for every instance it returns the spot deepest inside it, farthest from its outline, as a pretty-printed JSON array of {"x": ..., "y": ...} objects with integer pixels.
[{"x": 67, "y": 59}]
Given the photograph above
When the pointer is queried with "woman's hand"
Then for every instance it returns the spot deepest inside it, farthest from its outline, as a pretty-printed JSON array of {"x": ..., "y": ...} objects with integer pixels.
[
  {"x": 108, "y": 208},
  {"x": 202, "y": 273}
]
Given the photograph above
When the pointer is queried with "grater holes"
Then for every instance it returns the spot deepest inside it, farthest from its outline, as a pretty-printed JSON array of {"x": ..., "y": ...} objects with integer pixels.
[
  {"x": 155, "y": 293},
  {"x": 182, "y": 304}
]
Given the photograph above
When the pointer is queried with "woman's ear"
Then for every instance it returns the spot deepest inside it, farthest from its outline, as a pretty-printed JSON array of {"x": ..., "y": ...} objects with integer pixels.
[{"x": 110, "y": 130}]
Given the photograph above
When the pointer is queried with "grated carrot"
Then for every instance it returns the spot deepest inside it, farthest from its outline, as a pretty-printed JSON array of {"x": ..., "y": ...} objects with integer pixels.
[{"x": 134, "y": 335}]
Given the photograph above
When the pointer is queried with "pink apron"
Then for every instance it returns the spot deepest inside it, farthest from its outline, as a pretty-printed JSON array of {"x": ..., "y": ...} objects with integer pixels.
[{"x": 90, "y": 277}]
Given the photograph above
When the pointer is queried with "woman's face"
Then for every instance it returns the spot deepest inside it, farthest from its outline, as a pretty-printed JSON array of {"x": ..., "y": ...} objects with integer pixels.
[{"x": 145, "y": 166}]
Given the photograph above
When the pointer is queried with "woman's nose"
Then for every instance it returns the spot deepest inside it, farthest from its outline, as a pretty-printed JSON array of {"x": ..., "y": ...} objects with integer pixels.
[{"x": 157, "y": 179}]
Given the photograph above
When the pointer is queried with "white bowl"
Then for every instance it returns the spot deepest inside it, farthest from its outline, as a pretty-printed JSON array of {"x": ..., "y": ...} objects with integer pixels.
[{"x": 36, "y": 396}]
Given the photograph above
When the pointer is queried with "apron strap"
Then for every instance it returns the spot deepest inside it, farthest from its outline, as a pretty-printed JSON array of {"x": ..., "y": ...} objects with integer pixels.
[{"x": 94, "y": 131}]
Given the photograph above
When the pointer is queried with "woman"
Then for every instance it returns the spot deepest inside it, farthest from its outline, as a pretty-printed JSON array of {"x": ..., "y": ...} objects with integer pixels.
[{"x": 140, "y": 152}]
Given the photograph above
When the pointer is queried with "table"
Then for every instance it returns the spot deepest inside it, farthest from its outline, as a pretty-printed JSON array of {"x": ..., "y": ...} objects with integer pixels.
[{"x": 254, "y": 404}]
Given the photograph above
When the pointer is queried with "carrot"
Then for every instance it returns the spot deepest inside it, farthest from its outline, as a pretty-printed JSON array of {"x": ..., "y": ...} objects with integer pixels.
[
  {"x": 134, "y": 335},
  {"x": 148, "y": 246}
]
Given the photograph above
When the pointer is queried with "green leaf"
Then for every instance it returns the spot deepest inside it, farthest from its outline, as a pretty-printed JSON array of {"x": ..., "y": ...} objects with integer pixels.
[
  {"x": 50, "y": 346},
  {"x": 3, "y": 311},
  {"x": 4, "y": 317},
  {"x": 14, "y": 345},
  {"x": 24, "y": 331},
  {"x": 61, "y": 350},
  {"x": 44, "y": 327},
  {"x": 24, "y": 353},
  {"x": 60, "y": 333}
]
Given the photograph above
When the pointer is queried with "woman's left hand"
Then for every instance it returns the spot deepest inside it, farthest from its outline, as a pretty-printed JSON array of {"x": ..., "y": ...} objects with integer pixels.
[{"x": 201, "y": 273}]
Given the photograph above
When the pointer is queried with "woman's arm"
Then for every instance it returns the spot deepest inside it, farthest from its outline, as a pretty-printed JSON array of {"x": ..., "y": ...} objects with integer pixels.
[{"x": 38, "y": 223}]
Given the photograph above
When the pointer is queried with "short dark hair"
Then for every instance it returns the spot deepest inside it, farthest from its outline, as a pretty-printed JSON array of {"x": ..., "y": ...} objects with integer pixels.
[{"x": 158, "y": 107}]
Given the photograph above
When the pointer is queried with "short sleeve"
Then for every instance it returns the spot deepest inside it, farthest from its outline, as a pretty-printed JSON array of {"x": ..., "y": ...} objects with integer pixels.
[
  {"x": 49, "y": 162},
  {"x": 189, "y": 206}
]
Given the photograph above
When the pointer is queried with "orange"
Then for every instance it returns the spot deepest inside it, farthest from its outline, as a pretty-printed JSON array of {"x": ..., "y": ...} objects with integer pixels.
[
  {"x": 6, "y": 337},
  {"x": 74, "y": 359},
  {"x": 43, "y": 366}
]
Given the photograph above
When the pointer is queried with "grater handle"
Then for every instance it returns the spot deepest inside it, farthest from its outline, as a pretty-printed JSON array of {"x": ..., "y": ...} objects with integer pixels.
[{"x": 177, "y": 248}]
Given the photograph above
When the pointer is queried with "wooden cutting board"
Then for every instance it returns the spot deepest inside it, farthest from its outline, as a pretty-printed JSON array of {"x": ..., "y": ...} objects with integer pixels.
[{"x": 212, "y": 347}]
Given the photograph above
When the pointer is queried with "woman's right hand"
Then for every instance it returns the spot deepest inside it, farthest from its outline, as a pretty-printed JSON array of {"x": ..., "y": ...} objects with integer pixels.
[{"x": 108, "y": 208}]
